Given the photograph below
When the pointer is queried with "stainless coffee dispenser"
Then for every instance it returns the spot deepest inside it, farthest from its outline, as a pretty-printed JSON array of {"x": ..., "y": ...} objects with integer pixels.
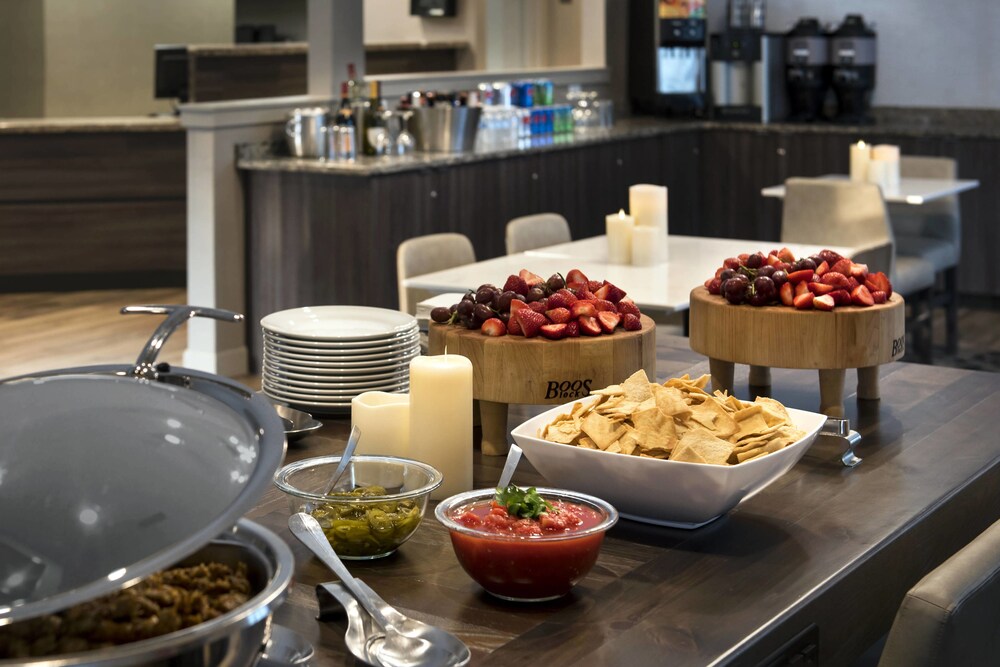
[
  {"x": 667, "y": 48},
  {"x": 852, "y": 54},
  {"x": 807, "y": 70}
]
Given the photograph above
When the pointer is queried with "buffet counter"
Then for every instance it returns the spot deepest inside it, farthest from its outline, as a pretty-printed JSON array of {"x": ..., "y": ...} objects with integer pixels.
[{"x": 813, "y": 568}]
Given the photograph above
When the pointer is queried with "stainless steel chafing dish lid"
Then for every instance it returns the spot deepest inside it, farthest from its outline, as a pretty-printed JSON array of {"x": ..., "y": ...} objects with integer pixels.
[{"x": 111, "y": 473}]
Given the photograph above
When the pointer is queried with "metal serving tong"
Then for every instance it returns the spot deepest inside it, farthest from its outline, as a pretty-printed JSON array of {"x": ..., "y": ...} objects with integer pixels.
[{"x": 841, "y": 428}]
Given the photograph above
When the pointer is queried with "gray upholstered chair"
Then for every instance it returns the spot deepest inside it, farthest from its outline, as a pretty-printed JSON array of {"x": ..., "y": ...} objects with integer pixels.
[
  {"x": 822, "y": 211},
  {"x": 950, "y": 616},
  {"x": 426, "y": 254},
  {"x": 933, "y": 231},
  {"x": 536, "y": 231}
]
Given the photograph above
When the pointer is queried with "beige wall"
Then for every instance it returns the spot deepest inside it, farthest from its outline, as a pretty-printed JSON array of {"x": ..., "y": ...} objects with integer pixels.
[
  {"x": 22, "y": 59},
  {"x": 389, "y": 21},
  {"x": 99, "y": 53}
]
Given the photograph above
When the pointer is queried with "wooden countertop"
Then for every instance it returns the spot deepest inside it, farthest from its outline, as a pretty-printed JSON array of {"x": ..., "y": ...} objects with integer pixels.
[{"x": 824, "y": 554}]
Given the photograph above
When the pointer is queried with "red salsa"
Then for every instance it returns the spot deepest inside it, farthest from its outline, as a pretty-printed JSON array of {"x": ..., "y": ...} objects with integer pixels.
[{"x": 518, "y": 558}]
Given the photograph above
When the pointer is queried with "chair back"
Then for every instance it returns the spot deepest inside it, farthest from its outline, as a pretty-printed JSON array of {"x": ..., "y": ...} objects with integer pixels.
[
  {"x": 426, "y": 254},
  {"x": 822, "y": 211},
  {"x": 939, "y": 219},
  {"x": 950, "y": 616},
  {"x": 536, "y": 231}
]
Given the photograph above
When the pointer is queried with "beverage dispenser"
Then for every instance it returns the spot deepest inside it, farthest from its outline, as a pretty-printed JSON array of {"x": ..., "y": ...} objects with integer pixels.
[
  {"x": 807, "y": 69},
  {"x": 852, "y": 54},
  {"x": 667, "y": 49}
]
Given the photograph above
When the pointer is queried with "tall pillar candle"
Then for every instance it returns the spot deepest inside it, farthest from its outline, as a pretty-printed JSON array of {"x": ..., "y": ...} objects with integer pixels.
[
  {"x": 619, "y": 232},
  {"x": 890, "y": 155},
  {"x": 648, "y": 205},
  {"x": 441, "y": 419},
  {"x": 647, "y": 246},
  {"x": 861, "y": 154},
  {"x": 384, "y": 422}
]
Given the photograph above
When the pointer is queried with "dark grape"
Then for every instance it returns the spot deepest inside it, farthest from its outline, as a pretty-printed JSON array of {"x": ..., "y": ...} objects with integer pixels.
[
  {"x": 804, "y": 264},
  {"x": 755, "y": 261},
  {"x": 469, "y": 296},
  {"x": 764, "y": 288},
  {"x": 441, "y": 314},
  {"x": 555, "y": 282},
  {"x": 735, "y": 289},
  {"x": 535, "y": 294},
  {"x": 454, "y": 307},
  {"x": 465, "y": 309},
  {"x": 503, "y": 304},
  {"x": 486, "y": 286},
  {"x": 766, "y": 271},
  {"x": 471, "y": 323},
  {"x": 504, "y": 317},
  {"x": 484, "y": 294},
  {"x": 715, "y": 286},
  {"x": 779, "y": 277},
  {"x": 482, "y": 312},
  {"x": 726, "y": 274}
]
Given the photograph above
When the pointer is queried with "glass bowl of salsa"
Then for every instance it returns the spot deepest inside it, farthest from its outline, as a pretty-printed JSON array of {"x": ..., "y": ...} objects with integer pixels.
[
  {"x": 523, "y": 559},
  {"x": 376, "y": 506}
]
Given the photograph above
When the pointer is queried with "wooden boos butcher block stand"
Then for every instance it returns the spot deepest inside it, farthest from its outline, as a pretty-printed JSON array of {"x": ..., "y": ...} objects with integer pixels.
[
  {"x": 538, "y": 371},
  {"x": 783, "y": 337}
]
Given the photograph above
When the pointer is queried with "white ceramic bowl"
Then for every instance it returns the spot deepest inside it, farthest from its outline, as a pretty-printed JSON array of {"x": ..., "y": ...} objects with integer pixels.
[{"x": 666, "y": 493}]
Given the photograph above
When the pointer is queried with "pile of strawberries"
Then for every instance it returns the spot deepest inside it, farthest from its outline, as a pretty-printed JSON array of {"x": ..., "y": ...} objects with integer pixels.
[
  {"x": 822, "y": 281},
  {"x": 528, "y": 305}
]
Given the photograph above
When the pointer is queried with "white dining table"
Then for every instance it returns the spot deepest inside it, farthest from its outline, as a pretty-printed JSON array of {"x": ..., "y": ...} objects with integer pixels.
[
  {"x": 663, "y": 288},
  {"x": 910, "y": 191}
]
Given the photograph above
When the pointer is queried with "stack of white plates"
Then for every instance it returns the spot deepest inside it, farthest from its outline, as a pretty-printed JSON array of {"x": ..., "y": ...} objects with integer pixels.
[{"x": 320, "y": 357}]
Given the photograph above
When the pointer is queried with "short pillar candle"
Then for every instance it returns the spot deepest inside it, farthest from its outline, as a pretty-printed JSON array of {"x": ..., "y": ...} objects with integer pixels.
[
  {"x": 384, "y": 422},
  {"x": 619, "y": 232}
]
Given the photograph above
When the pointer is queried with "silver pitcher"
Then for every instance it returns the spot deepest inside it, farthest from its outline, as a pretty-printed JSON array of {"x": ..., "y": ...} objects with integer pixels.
[{"x": 306, "y": 131}]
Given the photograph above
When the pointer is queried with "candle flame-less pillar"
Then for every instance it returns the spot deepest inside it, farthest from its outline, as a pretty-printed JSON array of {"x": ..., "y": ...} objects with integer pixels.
[
  {"x": 619, "y": 231},
  {"x": 889, "y": 155},
  {"x": 441, "y": 419},
  {"x": 648, "y": 206},
  {"x": 860, "y": 157},
  {"x": 384, "y": 422}
]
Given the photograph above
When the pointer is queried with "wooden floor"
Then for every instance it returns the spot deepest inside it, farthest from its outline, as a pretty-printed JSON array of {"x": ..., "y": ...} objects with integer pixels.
[{"x": 49, "y": 330}]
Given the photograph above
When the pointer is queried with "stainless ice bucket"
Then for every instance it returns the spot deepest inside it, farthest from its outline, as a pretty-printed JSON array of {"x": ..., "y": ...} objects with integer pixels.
[
  {"x": 445, "y": 129},
  {"x": 306, "y": 131}
]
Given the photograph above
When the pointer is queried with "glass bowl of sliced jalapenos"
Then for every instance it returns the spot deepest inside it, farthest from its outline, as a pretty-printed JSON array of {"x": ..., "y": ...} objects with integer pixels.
[{"x": 376, "y": 505}]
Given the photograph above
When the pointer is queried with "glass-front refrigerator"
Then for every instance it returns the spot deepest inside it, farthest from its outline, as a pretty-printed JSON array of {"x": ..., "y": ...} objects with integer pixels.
[{"x": 667, "y": 57}]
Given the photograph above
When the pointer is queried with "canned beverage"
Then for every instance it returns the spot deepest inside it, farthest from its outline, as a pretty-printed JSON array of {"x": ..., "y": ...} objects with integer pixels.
[{"x": 544, "y": 92}]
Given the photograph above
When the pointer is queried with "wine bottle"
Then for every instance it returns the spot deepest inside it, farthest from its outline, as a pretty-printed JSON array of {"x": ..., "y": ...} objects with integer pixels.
[{"x": 374, "y": 125}]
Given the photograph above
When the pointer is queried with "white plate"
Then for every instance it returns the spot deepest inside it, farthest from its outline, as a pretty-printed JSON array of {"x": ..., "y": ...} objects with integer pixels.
[
  {"x": 337, "y": 360},
  {"x": 348, "y": 373},
  {"x": 333, "y": 394},
  {"x": 334, "y": 382},
  {"x": 338, "y": 322},
  {"x": 312, "y": 406},
  {"x": 343, "y": 349},
  {"x": 341, "y": 343},
  {"x": 662, "y": 492}
]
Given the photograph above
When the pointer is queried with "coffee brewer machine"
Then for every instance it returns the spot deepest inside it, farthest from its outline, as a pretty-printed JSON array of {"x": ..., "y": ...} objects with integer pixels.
[
  {"x": 667, "y": 57},
  {"x": 807, "y": 70},
  {"x": 852, "y": 54}
]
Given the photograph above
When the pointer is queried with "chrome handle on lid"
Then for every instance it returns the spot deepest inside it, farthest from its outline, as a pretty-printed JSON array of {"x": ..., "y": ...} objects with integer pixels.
[{"x": 145, "y": 364}]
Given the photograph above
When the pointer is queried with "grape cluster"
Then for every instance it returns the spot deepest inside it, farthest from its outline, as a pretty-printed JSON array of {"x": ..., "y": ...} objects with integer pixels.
[{"x": 489, "y": 301}]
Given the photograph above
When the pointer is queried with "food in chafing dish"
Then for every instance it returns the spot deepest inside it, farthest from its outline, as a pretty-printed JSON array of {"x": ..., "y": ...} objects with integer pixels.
[
  {"x": 677, "y": 420},
  {"x": 165, "y": 602}
]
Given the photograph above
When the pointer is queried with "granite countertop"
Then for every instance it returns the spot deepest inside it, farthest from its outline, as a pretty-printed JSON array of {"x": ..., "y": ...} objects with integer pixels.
[
  {"x": 95, "y": 125},
  {"x": 945, "y": 123}
]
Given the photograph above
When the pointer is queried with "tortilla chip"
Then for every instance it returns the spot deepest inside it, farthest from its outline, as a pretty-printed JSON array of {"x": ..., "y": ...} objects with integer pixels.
[
  {"x": 602, "y": 430},
  {"x": 654, "y": 429},
  {"x": 670, "y": 401},
  {"x": 707, "y": 446},
  {"x": 636, "y": 387},
  {"x": 714, "y": 417}
]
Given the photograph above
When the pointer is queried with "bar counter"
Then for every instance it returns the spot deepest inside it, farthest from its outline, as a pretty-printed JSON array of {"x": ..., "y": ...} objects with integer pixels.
[{"x": 812, "y": 568}]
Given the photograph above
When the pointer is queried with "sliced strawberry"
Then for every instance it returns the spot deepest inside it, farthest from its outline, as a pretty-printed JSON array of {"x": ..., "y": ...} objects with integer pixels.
[
  {"x": 537, "y": 306},
  {"x": 594, "y": 285},
  {"x": 628, "y": 307},
  {"x": 805, "y": 300},
  {"x": 799, "y": 276},
  {"x": 516, "y": 284},
  {"x": 611, "y": 292},
  {"x": 821, "y": 288},
  {"x": 605, "y": 306},
  {"x": 589, "y": 326},
  {"x": 782, "y": 266},
  {"x": 862, "y": 297},
  {"x": 585, "y": 294},
  {"x": 830, "y": 257},
  {"x": 583, "y": 309},
  {"x": 572, "y": 329},
  {"x": 802, "y": 288},
  {"x": 842, "y": 266},
  {"x": 841, "y": 297},
  {"x": 731, "y": 263},
  {"x": 494, "y": 327},
  {"x": 822, "y": 268},
  {"x": 878, "y": 296},
  {"x": 609, "y": 320},
  {"x": 554, "y": 331},
  {"x": 514, "y": 327},
  {"x": 562, "y": 299},
  {"x": 852, "y": 282},
  {"x": 772, "y": 259},
  {"x": 576, "y": 276},
  {"x": 859, "y": 272},
  {"x": 786, "y": 255},
  {"x": 530, "y": 278},
  {"x": 516, "y": 305},
  {"x": 824, "y": 302},
  {"x": 880, "y": 282},
  {"x": 838, "y": 280},
  {"x": 530, "y": 321},
  {"x": 787, "y": 294},
  {"x": 631, "y": 322},
  {"x": 714, "y": 286},
  {"x": 558, "y": 315}
]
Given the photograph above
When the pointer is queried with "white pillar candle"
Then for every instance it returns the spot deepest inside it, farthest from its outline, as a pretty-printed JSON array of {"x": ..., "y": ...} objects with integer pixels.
[
  {"x": 384, "y": 422},
  {"x": 890, "y": 155},
  {"x": 441, "y": 419},
  {"x": 878, "y": 173},
  {"x": 861, "y": 155},
  {"x": 648, "y": 205},
  {"x": 646, "y": 246},
  {"x": 619, "y": 232}
]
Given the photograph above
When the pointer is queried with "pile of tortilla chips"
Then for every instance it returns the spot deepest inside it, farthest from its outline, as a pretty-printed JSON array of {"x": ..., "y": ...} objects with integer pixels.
[{"x": 677, "y": 420}]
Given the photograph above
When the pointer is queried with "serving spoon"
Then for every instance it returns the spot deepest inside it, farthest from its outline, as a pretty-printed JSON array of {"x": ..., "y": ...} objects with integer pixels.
[
  {"x": 513, "y": 457},
  {"x": 403, "y": 641}
]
